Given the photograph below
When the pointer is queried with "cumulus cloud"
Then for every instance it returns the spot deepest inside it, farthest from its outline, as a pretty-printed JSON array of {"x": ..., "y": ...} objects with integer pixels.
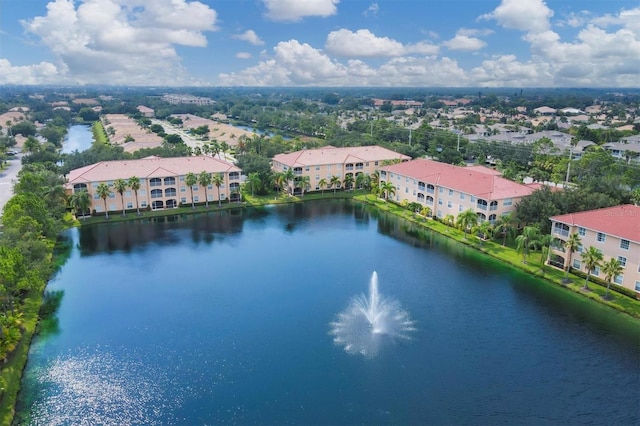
[
  {"x": 363, "y": 43},
  {"x": 122, "y": 41},
  {"x": 295, "y": 10},
  {"x": 243, "y": 55},
  {"x": 42, "y": 73},
  {"x": 249, "y": 36},
  {"x": 525, "y": 15},
  {"x": 463, "y": 42}
]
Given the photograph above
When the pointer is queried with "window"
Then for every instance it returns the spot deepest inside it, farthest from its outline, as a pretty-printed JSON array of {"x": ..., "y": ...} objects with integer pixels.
[
  {"x": 94, "y": 184},
  {"x": 99, "y": 209},
  {"x": 576, "y": 264},
  {"x": 112, "y": 195},
  {"x": 96, "y": 196},
  {"x": 183, "y": 199},
  {"x": 623, "y": 261},
  {"x": 195, "y": 187},
  {"x": 582, "y": 232},
  {"x": 112, "y": 207},
  {"x": 376, "y": 163},
  {"x": 580, "y": 248},
  {"x": 460, "y": 208},
  {"x": 449, "y": 204},
  {"x": 127, "y": 194},
  {"x": 143, "y": 204},
  {"x": 317, "y": 168},
  {"x": 601, "y": 237},
  {"x": 183, "y": 189},
  {"x": 181, "y": 178},
  {"x": 441, "y": 190},
  {"x": 637, "y": 285},
  {"x": 143, "y": 192},
  {"x": 461, "y": 196},
  {"x": 618, "y": 279},
  {"x": 196, "y": 199},
  {"x": 129, "y": 205},
  {"x": 451, "y": 192},
  {"x": 507, "y": 202},
  {"x": 596, "y": 271},
  {"x": 624, "y": 244},
  {"x": 439, "y": 201},
  {"x": 406, "y": 190},
  {"x": 306, "y": 169}
]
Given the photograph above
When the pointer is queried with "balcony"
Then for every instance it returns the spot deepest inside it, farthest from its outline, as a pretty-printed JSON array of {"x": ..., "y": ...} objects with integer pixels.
[{"x": 563, "y": 232}]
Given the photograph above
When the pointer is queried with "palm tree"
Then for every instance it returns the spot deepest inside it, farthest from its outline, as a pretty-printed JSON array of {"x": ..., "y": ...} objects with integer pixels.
[
  {"x": 571, "y": 245},
  {"x": 388, "y": 189},
  {"x": 103, "y": 191},
  {"x": 335, "y": 183},
  {"x": 485, "y": 229},
  {"x": 527, "y": 240},
  {"x": 322, "y": 184},
  {"x": 204, "y": 179},
  {"x": 120, "y": 186},
  {"x": 303, "y": 182},
  {"x": 134, "y": 184},
  {"x": 278, "y": 181},
  {"x": 545, "y": 242},
  {"x": 467, "y": 220},
  {"x": 80, "y": 201},
  {"x": 591, "y": 258},
  {"x": 611, "y": 269},
  {"x": 190, "y": 180},
  {"x": 289, "y": 176},
  {"x": 449, "y": 219},
  {"x": 348, "y": 181},
  {"x": 363, "y": 181},
  {"x": 254, "y": 182},
  {"x": 426, "y": 212},
  {"x": 504, "y": 226},
  {"x": 218, "y": 181}
]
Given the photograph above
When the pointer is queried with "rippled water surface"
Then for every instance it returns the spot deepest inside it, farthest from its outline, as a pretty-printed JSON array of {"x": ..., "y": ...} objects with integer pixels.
[{"x": 227, "y": 318}]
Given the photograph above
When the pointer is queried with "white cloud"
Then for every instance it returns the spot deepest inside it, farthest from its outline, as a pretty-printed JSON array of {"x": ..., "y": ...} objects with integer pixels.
[
  {"x": 362, "y": 43},
  {"x": 372, "y": 10},
  {"x": 295, "y": 10},
  {"x": 575, "y": 20},
  {"x": 42, "y": 73},
  {"x": 249, "y": 36},
  {"x": 243, "y": 55},
  {"x": 472, "y": 32},
  {"x": 525, "y": 15},
  {"x": 122, "y": 41},
  {"x": 463, "y": 42}
]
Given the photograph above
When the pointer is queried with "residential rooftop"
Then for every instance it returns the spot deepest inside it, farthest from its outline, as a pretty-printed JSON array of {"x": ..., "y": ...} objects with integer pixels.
[
  {"x": 333, "y": 155},
  {"x": 620, "y": 221}
]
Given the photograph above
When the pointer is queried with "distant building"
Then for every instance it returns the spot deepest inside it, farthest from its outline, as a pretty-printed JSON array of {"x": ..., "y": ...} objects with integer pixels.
[
  {"x": 146, "y": 111},
  {"x": 162, "y": 182},
  {"x": 545, "y": 110},
  {"x": 188, "y": 99},
  {"x": 448, "y": 189},
  {"x": 615, "y": 231}
]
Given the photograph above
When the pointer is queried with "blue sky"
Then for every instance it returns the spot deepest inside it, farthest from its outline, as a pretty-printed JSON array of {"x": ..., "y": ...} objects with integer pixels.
[{"x": 448, "y": 43}]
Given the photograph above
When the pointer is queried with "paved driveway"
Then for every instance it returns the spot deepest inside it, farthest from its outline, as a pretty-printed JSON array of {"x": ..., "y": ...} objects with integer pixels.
[{"x": 7, "y": 178}]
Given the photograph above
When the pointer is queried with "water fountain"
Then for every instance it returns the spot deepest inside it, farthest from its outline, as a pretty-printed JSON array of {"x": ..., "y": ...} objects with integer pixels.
[{"x": 369, "y": 321}]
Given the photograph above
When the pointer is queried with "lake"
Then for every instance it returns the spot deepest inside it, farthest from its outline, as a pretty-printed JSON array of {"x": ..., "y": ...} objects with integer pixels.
[
  {"x": 232, "y": 318},
  {"x": 79, "y": 138}
]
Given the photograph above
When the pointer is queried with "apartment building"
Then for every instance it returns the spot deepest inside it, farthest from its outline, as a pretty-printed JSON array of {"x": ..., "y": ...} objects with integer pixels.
[
  {"x": 325, "y": 163},
  {"x": 162, "y": 182},
  {"x": 615, "y": 231},
  {"x": 448, "y": 189}
]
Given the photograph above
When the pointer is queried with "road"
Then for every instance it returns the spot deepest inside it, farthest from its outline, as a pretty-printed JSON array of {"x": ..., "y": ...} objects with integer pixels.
[{"x": 7, "y": 178}]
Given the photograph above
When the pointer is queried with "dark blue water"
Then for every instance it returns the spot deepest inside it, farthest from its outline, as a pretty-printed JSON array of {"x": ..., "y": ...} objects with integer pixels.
[
  {"x": 225, "y": 319},
  {"x": 79, "y": 138}
]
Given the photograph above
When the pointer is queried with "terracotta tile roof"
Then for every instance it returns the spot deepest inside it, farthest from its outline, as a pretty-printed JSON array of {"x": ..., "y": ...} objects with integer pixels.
[
  {"x": 622, "y": 221},
  {"x": 333, "y": 155},
  {"x": 147, "y": 168},
  {"x": 483, "y": 185}
]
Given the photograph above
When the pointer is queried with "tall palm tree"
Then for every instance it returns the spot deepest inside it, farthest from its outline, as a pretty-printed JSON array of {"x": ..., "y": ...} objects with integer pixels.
[
  {"x": 80, "y": 201},
  {"x": 289, "y": 176},
  {"x": 134, "y": 184},
  {"x": 278, "y": 181},
  {"x": 103, "y": 190},
  {"x": 388, "y": 189},
  {"x": 592, "y": 259},
  {"x": 484, "y": 228},
  {"x": 348, "y": 182},
  {"x": 218, "y": 180},
  {"x": 120, "y": 186},
  {"x": 527, "y": 240},
  {"x": 304, "y": 183},
  {"x": 335, "y": 183},
  {"x": 571, "y": 246},
  {"x": 322, "y": 183},
  {"x": 467, "y": 220},
  {"x": 611, "y": 270},
  {"x": 191, "y": 180},
  {"x": 254, "y": 182},
  {"x": 449, "y": 219},
  {"x": 204, "y": 179},
  {"x": 504, "y": 226},
  {"x": 545, "y": 242}
]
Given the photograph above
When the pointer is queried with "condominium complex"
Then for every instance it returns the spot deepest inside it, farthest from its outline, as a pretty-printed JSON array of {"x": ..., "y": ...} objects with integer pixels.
[
  {"x": 448, "y": 190},
  {"x": 328, "y": 162},
  {"x": 615, "y": 231},
  {"x": 162, "y": 182}
]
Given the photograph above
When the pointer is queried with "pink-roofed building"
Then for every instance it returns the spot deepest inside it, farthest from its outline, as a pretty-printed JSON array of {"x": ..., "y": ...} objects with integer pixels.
[
  {"x": 615, "y": 231},
  {"x": 325, "y": 163},
  {"x": 448, "y": 189},
  {"x": 162, "y": 182}
]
